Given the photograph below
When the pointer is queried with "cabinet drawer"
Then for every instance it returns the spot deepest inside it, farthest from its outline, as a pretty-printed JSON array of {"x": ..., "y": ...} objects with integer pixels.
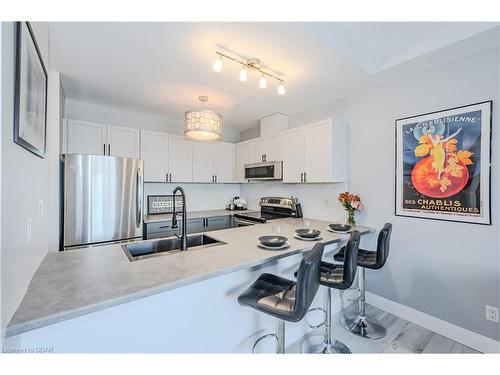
[{"x": 160, "y": 226}]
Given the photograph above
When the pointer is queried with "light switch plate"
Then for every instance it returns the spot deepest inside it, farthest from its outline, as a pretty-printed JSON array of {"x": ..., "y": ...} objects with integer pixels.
[{"x": 492, "y": 314}]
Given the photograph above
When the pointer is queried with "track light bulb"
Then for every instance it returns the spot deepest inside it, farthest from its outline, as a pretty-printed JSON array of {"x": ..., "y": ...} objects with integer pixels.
[
  {"x": 281, "y": 89},
  {"x": 217, "y": 66},
  {"x": 263, "y": 82},
  {"x": 243, "y": 74}
]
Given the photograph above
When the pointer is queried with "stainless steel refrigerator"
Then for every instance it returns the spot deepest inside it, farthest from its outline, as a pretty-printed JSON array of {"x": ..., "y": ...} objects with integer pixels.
[{"x": 102, "y": 199}]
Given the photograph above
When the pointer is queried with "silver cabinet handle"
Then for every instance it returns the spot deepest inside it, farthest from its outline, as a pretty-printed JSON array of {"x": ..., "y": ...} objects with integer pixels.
[{"x": 139, "y": 198}]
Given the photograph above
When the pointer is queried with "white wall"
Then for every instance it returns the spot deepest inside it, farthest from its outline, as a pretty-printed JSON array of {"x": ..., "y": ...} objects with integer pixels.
[
  {"x": 24, "y": 182},
  {"x": 199, "y": 197},
  {"x": 80, "y": 110},
  {"x": 318, "y": 201},
  {"x": 447, "y": 270}
]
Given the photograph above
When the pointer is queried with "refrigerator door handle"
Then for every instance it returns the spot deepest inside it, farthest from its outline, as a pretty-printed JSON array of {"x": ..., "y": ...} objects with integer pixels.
[{"x": 139, "y": 200}]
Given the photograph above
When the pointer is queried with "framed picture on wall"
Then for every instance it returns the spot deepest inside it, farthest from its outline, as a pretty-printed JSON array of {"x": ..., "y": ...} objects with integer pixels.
[
  {"x": 30, "y": 112},
  {"x": 443, "y": 165}
]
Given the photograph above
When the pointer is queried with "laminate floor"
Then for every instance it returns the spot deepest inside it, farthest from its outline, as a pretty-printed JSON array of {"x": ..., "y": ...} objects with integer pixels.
[{"x": 402, "y": 337}]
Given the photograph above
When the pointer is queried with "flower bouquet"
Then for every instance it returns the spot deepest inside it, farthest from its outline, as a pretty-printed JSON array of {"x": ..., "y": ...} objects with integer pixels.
[{"x": 351, "y": 203}]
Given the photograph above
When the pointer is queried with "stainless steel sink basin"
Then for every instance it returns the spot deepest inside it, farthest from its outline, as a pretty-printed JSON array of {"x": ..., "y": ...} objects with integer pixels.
[{"x": 151, "y": 248}]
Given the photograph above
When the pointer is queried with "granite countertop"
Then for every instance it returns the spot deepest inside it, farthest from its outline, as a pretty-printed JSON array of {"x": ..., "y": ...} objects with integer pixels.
[
  {"x": 78, "y": 282},
  {"x": 195, "y": 215}
]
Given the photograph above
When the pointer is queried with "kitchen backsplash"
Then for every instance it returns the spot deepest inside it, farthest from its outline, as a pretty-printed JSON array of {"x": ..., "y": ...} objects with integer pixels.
[
  {"x": 319, "y": 201},
  {"x": 199, "y": 197}
]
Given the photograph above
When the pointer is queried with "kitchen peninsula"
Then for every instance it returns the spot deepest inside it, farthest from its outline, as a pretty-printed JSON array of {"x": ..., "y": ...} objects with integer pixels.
[{"x": 82, "y": 308}]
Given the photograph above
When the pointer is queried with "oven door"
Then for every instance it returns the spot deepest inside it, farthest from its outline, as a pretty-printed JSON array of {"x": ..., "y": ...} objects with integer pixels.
[
  {"x": 237, "y": 222},
  {"x": 272, "y": 170}
]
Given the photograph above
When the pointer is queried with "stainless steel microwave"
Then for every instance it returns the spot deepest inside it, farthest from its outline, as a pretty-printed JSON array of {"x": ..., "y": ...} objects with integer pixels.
[{"x": 271, "y": 170}]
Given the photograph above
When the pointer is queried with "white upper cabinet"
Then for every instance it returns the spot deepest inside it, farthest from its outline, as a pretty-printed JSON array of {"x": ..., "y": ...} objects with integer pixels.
[
  {"x": 225, "y": 155},
  {"x": 316, "y": 153},
  {"x": 154, "y": 152},
  {"x": 259, "y": 150},
  {"x": 275, "y": 148},
  {"x": 243, "y": 156},
  {"x": 293, "y": 163},
  {"x": 203, "y": 162},
  {"x": 85, "y": 137},
  {"x": 180, "y": 157},
  {"x": 123, "y": 142}
]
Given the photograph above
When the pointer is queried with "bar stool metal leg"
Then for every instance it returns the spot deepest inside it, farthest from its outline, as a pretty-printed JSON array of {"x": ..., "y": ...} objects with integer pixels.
[
  {"x": 359, "y": 324},
  {"x": 326, "y": 347},
  {"x": 279, "y": 336}
]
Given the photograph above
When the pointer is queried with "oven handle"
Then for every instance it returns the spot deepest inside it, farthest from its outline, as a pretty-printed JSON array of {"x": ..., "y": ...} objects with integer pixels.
[{"x": 240, "y": 221}]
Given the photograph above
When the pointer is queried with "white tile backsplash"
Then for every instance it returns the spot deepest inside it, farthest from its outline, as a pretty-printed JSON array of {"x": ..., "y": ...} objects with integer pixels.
[
  {"x": 319, "y": 201},
  {"x": 199, "y": 197}
]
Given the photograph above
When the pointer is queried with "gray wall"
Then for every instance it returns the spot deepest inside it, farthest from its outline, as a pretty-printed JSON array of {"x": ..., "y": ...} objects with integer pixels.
[
  {"x": 25, "y": 181},
  {"x": 448, "y": 270}
]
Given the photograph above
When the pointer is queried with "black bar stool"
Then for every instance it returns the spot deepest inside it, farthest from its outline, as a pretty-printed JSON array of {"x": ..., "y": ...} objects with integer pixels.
[
  {"x": 285, "y": 299},
  {"x": 337, "y": 277},
  {"x": 359, "y": 324}
]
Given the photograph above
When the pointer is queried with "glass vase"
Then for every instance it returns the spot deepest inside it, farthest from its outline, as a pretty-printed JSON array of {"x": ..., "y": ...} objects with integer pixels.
[{"x": 350, "y": 218}]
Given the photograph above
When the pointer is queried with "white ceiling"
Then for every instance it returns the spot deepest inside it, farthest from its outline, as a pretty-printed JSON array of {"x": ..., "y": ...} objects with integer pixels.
[{"x": 162, "y": 68}]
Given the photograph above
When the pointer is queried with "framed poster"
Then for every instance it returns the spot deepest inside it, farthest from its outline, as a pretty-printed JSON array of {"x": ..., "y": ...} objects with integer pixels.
[
  {"x": 30, "y": 112},
  {"x": 443, "y": 165}
]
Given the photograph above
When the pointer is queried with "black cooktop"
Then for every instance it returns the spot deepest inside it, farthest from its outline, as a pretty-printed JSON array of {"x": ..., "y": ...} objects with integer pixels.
[{"x": 260, "y": 217}]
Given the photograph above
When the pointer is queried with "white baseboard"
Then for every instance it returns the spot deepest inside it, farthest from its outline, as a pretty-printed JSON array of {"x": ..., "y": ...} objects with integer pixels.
[{"x": 471, "y": 339}]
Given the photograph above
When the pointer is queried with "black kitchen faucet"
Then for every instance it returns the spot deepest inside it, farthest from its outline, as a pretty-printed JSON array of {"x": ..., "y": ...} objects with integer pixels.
[{"x": 182, "y": 237}]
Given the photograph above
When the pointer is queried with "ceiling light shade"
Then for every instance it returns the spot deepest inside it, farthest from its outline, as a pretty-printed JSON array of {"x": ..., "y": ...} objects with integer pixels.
[
  {"x": 217, "y": 66},
  {"x": 243, "y": 74},
  {"x": 202, "y": 124},
  {"x": 263, "y": 82},
  {"x": 281, "y": 89}
]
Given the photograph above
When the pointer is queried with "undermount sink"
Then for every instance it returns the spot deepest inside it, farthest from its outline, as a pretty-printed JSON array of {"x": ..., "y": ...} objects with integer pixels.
[{"x": 151, "y": 248}]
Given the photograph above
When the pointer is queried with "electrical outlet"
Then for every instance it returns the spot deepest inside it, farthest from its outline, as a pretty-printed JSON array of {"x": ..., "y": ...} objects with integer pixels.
[
  {"x": 492, "y": 314},
  {"x": 29, "y": 224}
]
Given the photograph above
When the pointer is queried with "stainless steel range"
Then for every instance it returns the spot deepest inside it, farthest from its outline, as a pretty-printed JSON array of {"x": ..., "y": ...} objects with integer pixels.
[{"x": 272, "y": 208}]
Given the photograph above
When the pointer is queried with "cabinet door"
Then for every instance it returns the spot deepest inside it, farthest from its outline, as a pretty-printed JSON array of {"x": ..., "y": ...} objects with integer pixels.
[
  {"x": 218, "y": 222},
  {"x": 154, "y": 152},
  {"x": 180, "y": 158},
  {"x": 195, "y": 226},
  {"x": 259, "y": 149},
  {"x": 293, "y": 164},
  {"x": 86, "y": 138},
  {"x": 318, "y": 152},
  {"x": 243, "y": 156},
  {"x": 225, "y": 155},
  {"x": 203, "y": 161},
  {"x": 275, "y": 148},
  {"x": 123, "y": 142}
]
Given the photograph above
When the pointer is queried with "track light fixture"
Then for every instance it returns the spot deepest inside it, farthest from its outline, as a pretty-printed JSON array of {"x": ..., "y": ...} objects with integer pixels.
[{"x": 250, "y": 64}]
